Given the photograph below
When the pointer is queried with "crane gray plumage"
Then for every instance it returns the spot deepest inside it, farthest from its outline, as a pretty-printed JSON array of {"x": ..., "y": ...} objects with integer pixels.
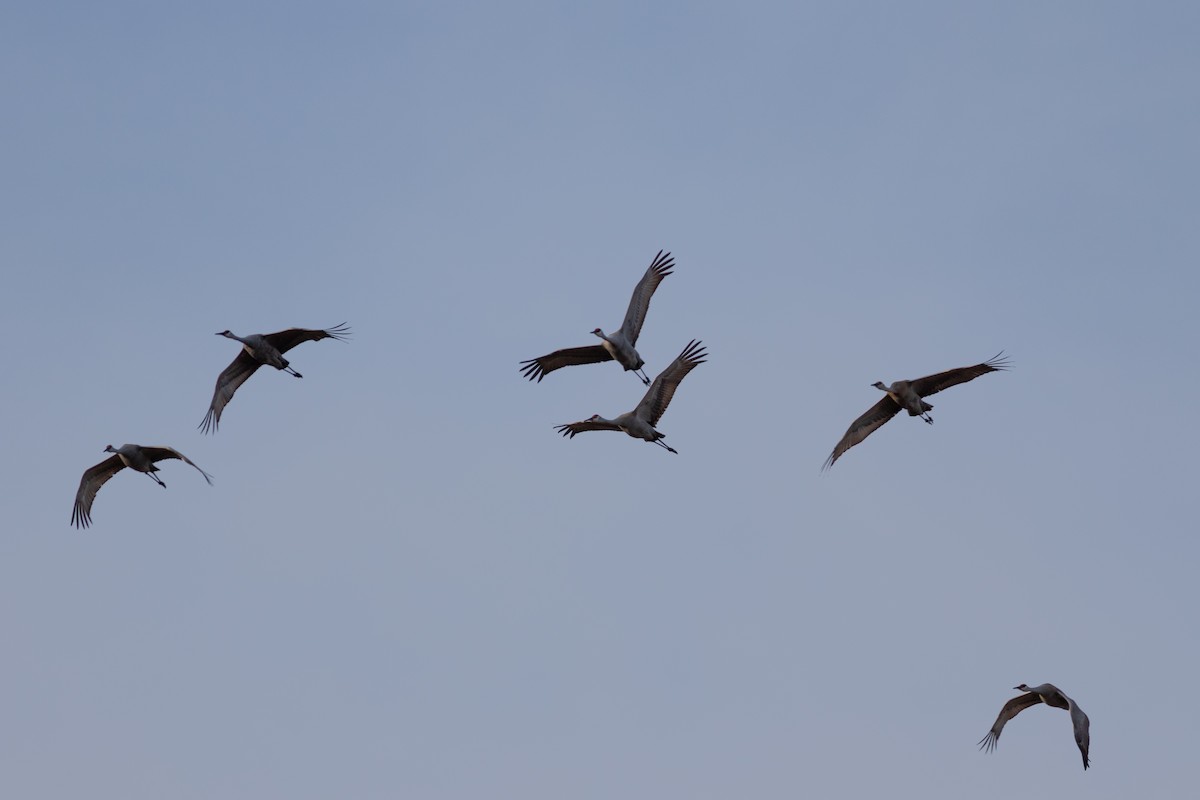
[
  {"x": 259, "y": 349},
  {"x": 133, "y": 456},
  {"x": 908, "y": 395},
  {"x": 618, "y": 345},
  {"x": 1051, "y": 695},
  {"x": 640, "y": 422}
]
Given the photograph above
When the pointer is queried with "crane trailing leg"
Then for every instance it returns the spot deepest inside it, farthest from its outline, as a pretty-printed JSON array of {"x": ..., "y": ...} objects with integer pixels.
[{"x": 661, "y": 443}]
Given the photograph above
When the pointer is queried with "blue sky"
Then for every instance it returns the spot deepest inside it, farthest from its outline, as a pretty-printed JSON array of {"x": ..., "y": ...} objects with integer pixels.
[{"x": 405, "y": 583}]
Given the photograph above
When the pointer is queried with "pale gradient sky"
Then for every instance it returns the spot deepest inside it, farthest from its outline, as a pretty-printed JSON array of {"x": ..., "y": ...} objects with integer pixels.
[{"x": 404, "y": 583}]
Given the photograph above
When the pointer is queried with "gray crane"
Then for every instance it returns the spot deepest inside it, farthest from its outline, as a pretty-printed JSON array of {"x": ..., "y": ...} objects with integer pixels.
[
  {"x": 259, "y": 349},
  {"x": 907, "y": 395},
  {"x": 640, "y": 422},
  {"x": 1051, "y": 695},
  {"x": 133, "y": 456},
  {"x": 618, "y": 345}
]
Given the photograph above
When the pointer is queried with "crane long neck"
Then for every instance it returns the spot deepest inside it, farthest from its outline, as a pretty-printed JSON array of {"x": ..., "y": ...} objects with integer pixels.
[{"x": 236, "y": 338}]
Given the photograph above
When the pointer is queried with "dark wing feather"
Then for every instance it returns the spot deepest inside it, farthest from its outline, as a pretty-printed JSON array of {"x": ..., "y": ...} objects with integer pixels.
[
  {"x": 932, "y": 384},
  {"x": 567, "y": 357},
  {"x": 89, "y": 484},
  {"x": 639, "y": 303},
  {"x": 157, "y": 454},
  {"x": 569, "y": 430},
  {"x": 228, "y": 382},
  {"x": 1010, "y": 710},
  {"x": 659, "y": 395},
  {"x": 1055, "y": 698},
  {"x": 871, "y": 420},
  {"x": 286, "y": 340}
]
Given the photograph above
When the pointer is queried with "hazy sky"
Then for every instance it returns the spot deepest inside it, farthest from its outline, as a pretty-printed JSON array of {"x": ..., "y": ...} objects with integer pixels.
[{"x": 404, "y": 583}]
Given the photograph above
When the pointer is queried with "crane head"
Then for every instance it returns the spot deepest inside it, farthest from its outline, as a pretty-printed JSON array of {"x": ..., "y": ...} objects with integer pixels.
[
  {"x": 226, "y": 333},
  {"x": 110, "y": 449},
  {"x": 598, "y": 332},
  {"x": 879, "y": 385},
  {"x": 1023, "y": 688}
]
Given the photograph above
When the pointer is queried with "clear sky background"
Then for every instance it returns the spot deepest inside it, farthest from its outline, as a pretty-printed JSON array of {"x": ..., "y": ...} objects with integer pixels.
[{"x": 404, "y": 583}]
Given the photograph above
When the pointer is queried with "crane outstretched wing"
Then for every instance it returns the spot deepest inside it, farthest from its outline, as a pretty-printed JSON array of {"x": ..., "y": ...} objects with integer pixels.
[
  {"x": 870, "y": 421},
  {"x": 570, "y": 429},
  {"x": 93, "y": 478},
  {"x": 932, "y": 384},
  {"x": 1080, "y": 727},
  {"x": 568, "y": 357},
  {"x": 228, "y": 382},
  {"x": 157, "y": 454},
  {"x": 659, "y": 395},
  {"x": 286, "y": 340},
  {"x": 639, "y": 303},
  {"x": 1010, "y": 710}
]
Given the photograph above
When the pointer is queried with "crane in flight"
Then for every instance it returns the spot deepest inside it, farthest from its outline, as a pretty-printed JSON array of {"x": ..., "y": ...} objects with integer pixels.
[
  {"x": 1052, "y": 696},
  {"x": 259, "y": 349},
  {"x": 909, "y": 396},
  {"x": 640, "y": 422},
  {"x": 135, "y": 457},
  {"x": 617, "y": 346}
]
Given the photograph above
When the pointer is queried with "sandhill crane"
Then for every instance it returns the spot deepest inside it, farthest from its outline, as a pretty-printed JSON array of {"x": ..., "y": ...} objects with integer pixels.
[
  {"x": 618, "y": 345},
  {"x": 640, "y": 422},
  {"x": 133, "y": 456},
  {"x": 907, "y": 395},
  {"x": 259, "y": 349},
  {"x": 1049, "y": 694}
]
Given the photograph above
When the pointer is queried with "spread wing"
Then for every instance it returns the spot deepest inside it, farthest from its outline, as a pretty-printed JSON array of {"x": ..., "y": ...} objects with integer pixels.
[
  {"x": 635, "y": 315},
  {"x": 569, "y": 430},
  {"x": 228, "y": 382},
  {"x": 871, "y": 420},
  {"x": 157, "y": 454},
  {"x": 93, "y": 478},
  {"x": 932, "y": 384},
  {"x": 568, "y": 357},
  {"x": 659, "y": 395},
  {"x": 286, "y": 340},
  {"x": 1080, "y": 726},
  {"x": 1010, "y": 710}
]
